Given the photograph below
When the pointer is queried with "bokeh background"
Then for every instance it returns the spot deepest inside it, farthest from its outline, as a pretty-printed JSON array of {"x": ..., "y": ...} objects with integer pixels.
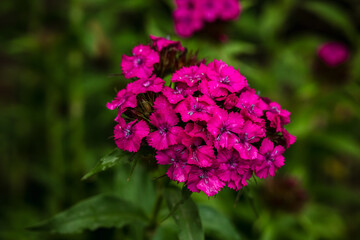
[{"x": 56, "y": 61}]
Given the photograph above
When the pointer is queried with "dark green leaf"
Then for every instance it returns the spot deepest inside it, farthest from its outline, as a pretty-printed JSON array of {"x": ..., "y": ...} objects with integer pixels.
[
  {"x": 216, "y": 224},
  {"x": 99, "y": 211},
  {"x": 186, "y": 215},
  {"x": 107, "y": 162},
  {"x": 339, "y": 142}
]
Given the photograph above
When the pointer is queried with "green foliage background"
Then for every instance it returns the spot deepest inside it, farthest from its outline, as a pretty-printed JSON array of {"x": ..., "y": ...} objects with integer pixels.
[{"x": 56, "y": 58}]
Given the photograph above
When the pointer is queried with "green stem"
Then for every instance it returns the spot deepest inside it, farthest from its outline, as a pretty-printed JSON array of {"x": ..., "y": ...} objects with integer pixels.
[{"x": 153, "y": 224}]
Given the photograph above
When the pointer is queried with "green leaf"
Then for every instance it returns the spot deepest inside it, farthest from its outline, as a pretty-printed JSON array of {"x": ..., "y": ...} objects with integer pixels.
[
  {"x": 99, "y": 211},
  {"x": 339, "y": 142},
  {"x": 216, "y": 224},
  {"x": 107, "y": 162},
  {"x": 322, "y": 222},
  {"x": 334, "y": 15},
  {"x": 186, "y": 215}
]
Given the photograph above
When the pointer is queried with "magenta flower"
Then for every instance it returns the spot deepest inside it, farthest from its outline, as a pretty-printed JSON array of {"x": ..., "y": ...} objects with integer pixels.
[
  {"x": 196, "y": 108},
  {"x": 123, "y": 100},
  {"x": 231, "y": 101},
  {"x": 289, "y": 139},
  {"x": 199, "y": 154},
  {"x": 278, "y": 117},
  {"x": 224, "y": 127},
  {"x": 210, "y": 9},
  {"x": 159, "y": 43},
  {"x": 129, "y": 136},
  {"x": 187, "y": 22},
  {"x": 269, "y": 159},
  {"x": 230, "y": 9},
  {"x": 252, "y": 107},
  {"x": 161, "y": 103},
  {"x": 185, "y": 4},
  {"x": 250, "y": 133},
  {"x": 180, "y": 92},
  {"x": 151, "y": 84},
  {"x": 333, "y": 53},
  {"x": 207, "y": 89},
  {"x": 199, "y": 130},
  {"x": 176, "y": 156},
  {"x": 167, "y": 133},
  {"x": 141, "y": 64},
  {"x": 233, "y": 169},
  {"x": 223, "y": 76},
  {"x": 190, "y": 75},
  {"x": 204, "y": 179}
]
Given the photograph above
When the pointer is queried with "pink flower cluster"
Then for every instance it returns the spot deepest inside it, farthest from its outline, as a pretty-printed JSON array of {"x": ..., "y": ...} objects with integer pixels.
[
  {"x": 208, "y": 125},
  {"x": 190, "y": 15}
]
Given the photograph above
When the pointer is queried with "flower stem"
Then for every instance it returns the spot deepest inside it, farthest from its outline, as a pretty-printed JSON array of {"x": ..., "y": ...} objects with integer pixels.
[{"x": 153, "y": 224}]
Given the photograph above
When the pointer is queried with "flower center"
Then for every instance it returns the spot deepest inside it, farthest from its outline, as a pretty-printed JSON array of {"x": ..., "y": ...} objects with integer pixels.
[
  {"x": 249, "y": 108},
  {"x": 269, "y": 157},
  {"x": 178, "y": 90},
  {"x": 225, "y": 80},
  {"x": 127, "y": 131},
  {"x": 138, "y": 61},
  {"x": 146, "y": 83},
  {"x": 204, "y": 175},
  {"x": 232, "y": 163},
  {"x": 163, "y": 130}
]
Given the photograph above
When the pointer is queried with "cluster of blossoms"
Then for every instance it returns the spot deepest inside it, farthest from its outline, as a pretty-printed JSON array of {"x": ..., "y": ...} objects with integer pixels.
[
  {"x": 206, "y": 123},
  {"x": 190, "y": 15}
]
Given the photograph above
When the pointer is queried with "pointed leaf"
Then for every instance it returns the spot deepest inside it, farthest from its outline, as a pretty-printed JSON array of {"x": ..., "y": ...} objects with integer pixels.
[
  {"x": 99, "y": 211},
  {"x": 108, "y": 161},
  {"x": 217, "y": 225},
  {"x": 186, "y": 216}
]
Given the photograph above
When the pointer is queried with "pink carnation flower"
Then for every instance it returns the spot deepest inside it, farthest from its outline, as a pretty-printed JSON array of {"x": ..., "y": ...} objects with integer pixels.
[
  {"x": 223, "y": 76},
  {"x": 199, "y": 154},
  {"x": 230, "y": 9},
  {"x": 177, "y": 157},
  {"x": 207, "y": 88},
  {"x": 162, "y": 103},
  {"x": 224, "y": 127},
  {"x": 199, "y": 130},
  {"x": 123, "y": 100},
  {"x": 196, "y": 108},
  {"x": 141, "y": 64},
  {"x": 252, "y": 107},
  {"x": 231, "y": 101},
  {"x": 269, "y": 159},
  {"x": 159, "y": 43},
  {"x": 289, "y": 139},
  {"x": 189, "y": 75},
  {"x": 151, "y": 84},
  {"x": 187, "y": 22},
  {"x": 210, "y": 9},
  {"x": 233, "y": 169},
  {"x": 250, "y": 133},
  {"x": 128, "y": 136},
  {"x": 278, "y": 117},
  {"x": 180, "y": 92},
  {"x": 333, "y": 53},
  {"x": 167, "y": 132},
  {"x": 204, "y": 179},
  {"x": 185, "y": 4}
]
